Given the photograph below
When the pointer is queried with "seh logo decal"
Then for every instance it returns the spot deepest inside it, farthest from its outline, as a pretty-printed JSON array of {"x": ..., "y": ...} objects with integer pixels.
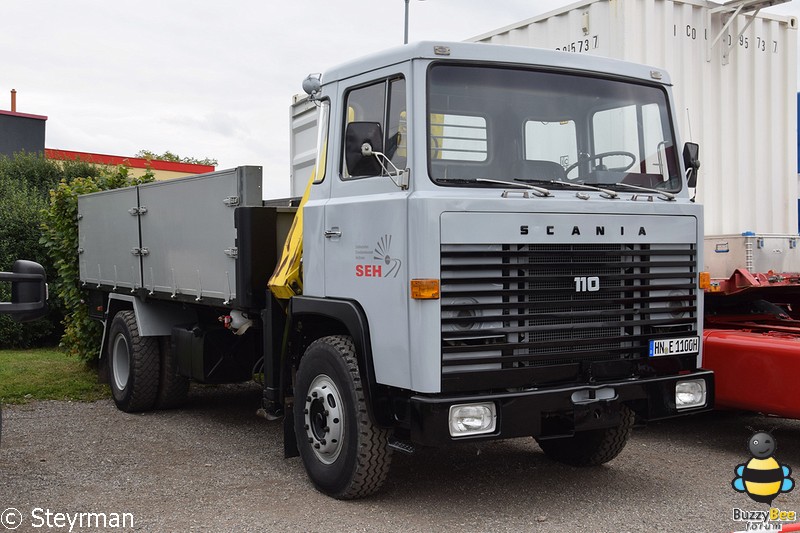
[
  {"x": 383, "y": 265},
  {"x": 762, "y": 478}
]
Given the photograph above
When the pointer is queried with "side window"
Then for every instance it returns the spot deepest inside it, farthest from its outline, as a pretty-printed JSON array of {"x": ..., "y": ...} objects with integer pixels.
[
  {"x": 640, "y": 131},
  {"x": 616, "y": 130},
  {"x": 383, "y": 103},
  {"x": 659, "y": 158},
  {"x": 322, "y": 140},
  {"x": 395, "y": 145}
]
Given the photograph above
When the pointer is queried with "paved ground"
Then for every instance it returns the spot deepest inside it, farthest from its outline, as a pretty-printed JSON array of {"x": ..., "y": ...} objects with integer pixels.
[{"x": 215, "y": 466}]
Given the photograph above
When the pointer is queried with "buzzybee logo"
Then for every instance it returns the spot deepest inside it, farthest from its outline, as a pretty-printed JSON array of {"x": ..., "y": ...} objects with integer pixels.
[{"x": 762, "y": 478}]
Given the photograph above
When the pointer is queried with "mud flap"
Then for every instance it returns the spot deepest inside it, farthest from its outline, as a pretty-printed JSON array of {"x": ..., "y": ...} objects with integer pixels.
[{"x": 289, "y": 438}]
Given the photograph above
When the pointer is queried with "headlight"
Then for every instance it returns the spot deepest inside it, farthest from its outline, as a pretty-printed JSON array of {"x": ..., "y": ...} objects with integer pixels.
[
  {"x": 472, "y": 419},
  {"x": 690, "y": 393},
  {"x": 466, "y": 314},
  {"x": 675, "y": 306}
]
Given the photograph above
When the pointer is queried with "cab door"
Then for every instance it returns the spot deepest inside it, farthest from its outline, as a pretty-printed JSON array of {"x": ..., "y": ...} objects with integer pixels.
[{"x": 365, "y": 228}]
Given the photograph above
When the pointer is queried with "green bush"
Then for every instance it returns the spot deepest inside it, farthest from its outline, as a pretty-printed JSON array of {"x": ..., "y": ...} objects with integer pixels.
[
  {"x": 20, "y": 216},
  {"x": 60, "y": 236},
  {"x": 25, "y": 182}
]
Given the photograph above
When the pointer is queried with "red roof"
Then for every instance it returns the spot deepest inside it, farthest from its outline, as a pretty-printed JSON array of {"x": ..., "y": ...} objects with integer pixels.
[
  {"x": 22, "y": 115},
  {"x": 134, "y": 162}
]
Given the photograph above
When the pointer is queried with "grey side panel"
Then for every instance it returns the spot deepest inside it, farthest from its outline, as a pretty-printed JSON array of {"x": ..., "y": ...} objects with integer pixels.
[
  {"x": 108, "y": 234},
  {"x": 190, "y": 234}
]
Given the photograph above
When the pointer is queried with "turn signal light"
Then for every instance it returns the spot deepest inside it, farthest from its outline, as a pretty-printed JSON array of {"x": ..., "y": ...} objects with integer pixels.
[
  {"x": 705, "y": 280},
  {"x": 425, "y": 289}
]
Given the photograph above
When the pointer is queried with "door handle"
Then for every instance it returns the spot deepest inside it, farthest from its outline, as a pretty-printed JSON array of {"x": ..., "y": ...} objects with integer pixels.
[{"x": 333, "y": 232}]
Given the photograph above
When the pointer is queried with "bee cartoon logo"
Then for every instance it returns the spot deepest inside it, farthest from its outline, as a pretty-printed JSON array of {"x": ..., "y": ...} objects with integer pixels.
[{"x": 762, "y": 477}]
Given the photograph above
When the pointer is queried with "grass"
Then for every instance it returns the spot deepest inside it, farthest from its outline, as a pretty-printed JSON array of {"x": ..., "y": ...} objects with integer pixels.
[{"x": 46, "y": 374}]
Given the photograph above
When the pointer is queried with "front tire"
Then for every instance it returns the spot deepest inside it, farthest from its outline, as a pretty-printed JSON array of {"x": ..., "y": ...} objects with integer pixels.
[
  {"x": 593, "y": 447},
  {"x": 133, "y": 365},
  {"x": 345, "y": 455}
]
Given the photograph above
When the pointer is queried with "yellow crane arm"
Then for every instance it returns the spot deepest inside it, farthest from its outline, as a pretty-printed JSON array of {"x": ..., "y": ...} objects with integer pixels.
[{"x": 287, "y": 279}]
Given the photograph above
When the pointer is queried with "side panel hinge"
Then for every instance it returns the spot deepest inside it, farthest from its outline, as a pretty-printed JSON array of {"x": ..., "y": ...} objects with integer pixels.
[
  {"x": 232, "y": 252},
  {"x": 140, "y": 251},
  {"x": 137, "y": 211},
  {"x": 231, "y": 201}
]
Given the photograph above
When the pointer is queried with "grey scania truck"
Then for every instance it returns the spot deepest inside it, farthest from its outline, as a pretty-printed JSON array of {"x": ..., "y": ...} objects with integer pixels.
[{"x": 496, "y": 242}]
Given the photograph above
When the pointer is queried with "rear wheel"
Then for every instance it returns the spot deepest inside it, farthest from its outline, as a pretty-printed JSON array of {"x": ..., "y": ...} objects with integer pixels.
[
  {"x": 593, "y": 447},
  {"x": 133, "y": 365},
  {"x": 345, "y": 455},
  {"x": 172, "y": 388}
]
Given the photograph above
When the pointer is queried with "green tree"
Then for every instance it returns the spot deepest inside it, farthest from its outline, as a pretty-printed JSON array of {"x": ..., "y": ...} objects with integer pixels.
[
  {"x": 169, "y": 156},
  {"x": 25, "y": 181}
]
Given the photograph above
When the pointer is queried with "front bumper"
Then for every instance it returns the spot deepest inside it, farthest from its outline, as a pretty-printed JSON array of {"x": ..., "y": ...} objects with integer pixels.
[{"x": 583, "y": 407}]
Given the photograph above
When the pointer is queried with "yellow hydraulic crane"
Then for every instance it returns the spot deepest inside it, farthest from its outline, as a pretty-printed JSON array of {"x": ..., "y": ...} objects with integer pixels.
[{"x": 287, "y": 279}]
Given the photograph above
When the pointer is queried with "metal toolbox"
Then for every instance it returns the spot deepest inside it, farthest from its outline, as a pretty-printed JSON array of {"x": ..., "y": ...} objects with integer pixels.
[{"x": 755, "y": 252}]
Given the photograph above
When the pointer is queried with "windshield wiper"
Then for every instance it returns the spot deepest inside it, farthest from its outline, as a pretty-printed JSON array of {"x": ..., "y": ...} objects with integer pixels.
[
  {"x": 605, "y": 193},
  {"x": 667, "y": 195},
  {"x": 540, "y": 191}
]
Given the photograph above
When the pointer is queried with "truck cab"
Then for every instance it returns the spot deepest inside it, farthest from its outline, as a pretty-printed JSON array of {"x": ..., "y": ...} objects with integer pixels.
[{"x": 513, "y": 230}]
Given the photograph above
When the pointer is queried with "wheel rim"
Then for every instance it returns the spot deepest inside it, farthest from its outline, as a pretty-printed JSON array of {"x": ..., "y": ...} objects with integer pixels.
[
  {"x": 121, "y": 362},
  {"x": 324, "y": 423}
]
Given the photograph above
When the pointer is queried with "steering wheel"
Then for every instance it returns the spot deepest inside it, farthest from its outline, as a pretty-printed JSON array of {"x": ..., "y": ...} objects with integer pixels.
[{"x": 585, "y": 158}]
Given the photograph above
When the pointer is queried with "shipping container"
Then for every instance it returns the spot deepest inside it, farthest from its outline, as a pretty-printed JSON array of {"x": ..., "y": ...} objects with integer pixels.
[{"x": 734, "y": 70}]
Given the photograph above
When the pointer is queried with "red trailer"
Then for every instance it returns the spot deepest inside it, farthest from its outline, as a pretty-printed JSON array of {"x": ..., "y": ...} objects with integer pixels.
[{"x": 752, "y": 342}]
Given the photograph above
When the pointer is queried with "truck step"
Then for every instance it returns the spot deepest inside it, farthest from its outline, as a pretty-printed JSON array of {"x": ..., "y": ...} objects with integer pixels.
[{"x": 401, "y": 446}]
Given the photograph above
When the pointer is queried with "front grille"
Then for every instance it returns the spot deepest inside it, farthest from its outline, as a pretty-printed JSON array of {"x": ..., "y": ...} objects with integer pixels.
[{"x": 507, "y": 307}]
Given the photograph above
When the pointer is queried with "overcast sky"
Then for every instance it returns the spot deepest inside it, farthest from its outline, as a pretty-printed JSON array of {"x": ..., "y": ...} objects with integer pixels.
[{"x": 207, "y": 79}]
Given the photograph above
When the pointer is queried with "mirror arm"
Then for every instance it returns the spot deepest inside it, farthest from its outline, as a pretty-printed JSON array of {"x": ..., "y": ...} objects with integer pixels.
[{"x": 402, "y": 183}]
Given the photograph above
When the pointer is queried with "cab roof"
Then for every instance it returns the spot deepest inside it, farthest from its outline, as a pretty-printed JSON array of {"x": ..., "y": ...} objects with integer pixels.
[{"x": 517, "y": 55}]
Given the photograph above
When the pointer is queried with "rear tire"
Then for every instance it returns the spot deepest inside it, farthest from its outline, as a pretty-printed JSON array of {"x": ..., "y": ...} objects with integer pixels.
[
  {"x": 345, "y": 455},
  {"x": 172, "y": 388},
  {"x": 133, "y": 365},
  {"x": 593, "y": 447}
]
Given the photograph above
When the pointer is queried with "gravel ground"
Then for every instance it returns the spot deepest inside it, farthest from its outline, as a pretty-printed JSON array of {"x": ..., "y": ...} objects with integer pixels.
[{"x": 215, "y": 466}]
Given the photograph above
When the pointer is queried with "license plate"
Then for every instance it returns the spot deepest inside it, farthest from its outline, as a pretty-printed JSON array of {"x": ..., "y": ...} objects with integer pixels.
[{"x": 674, "y": 346}]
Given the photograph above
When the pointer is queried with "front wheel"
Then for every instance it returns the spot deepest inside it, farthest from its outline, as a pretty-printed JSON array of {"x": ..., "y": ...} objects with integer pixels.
[
  {"x": 593, "y": 447},
  {"x": 345, "y": 455}
]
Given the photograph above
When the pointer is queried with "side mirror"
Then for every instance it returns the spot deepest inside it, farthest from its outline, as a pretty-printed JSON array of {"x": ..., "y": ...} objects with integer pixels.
[
  {"x": 28, "y": 291},
  {"x": 691, "y": 155},
  {"x": 356, "y": 136}
]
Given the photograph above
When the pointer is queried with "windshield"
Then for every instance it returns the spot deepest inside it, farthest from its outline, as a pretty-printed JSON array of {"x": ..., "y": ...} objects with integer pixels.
[{"x": 528, "y": 126}]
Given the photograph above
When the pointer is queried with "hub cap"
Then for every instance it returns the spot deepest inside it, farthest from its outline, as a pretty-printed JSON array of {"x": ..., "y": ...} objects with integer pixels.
[
  {"x": 121, "y": 362},
  {"x": 324, "y": 423}
]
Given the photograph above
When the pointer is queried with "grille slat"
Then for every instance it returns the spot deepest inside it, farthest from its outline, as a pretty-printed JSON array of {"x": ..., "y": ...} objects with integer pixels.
[
  {"x": 507, "y": 266},
  {"x": 561, "y": 277},
  {"x": 523, "y": 306}
]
